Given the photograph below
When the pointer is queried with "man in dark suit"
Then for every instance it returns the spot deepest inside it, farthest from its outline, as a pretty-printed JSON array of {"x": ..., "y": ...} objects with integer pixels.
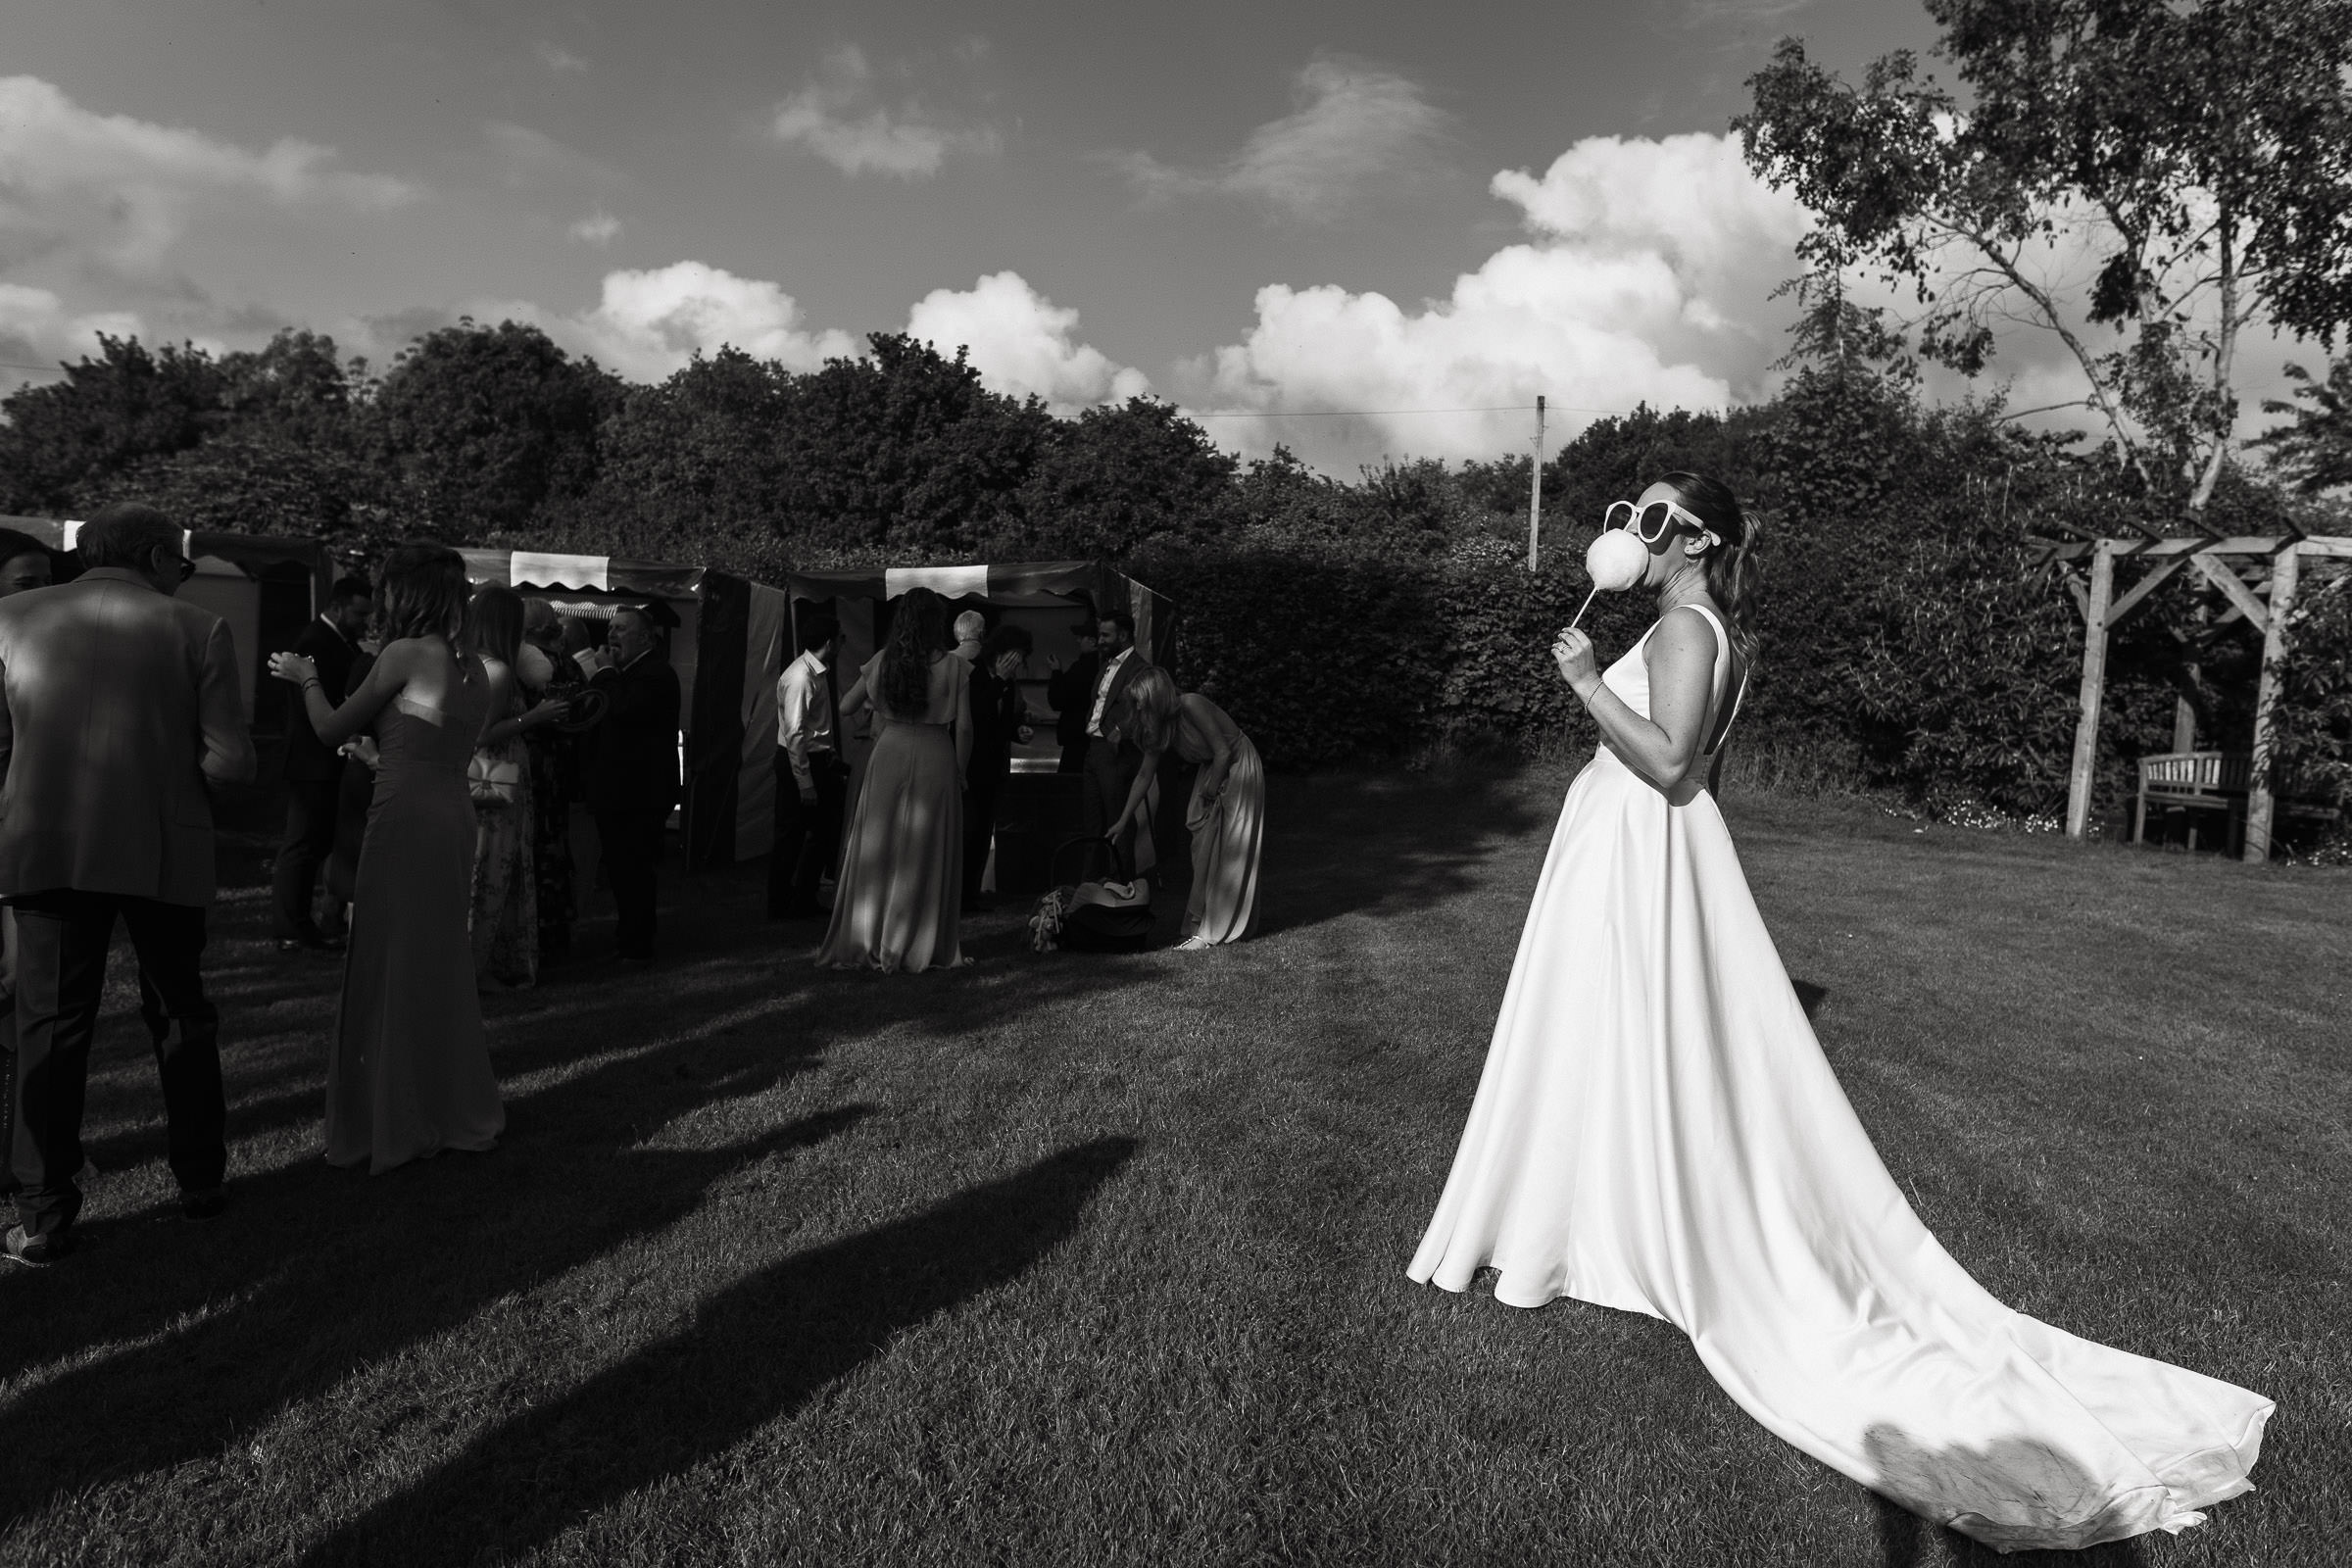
[
  {"x": 1111, "y": 761},
  {"x": 120, "y": 709},
  {"x": 633, "y": 777},
  {"x": 1071, "y": 691},
  {"x": 315, "y": 771}
]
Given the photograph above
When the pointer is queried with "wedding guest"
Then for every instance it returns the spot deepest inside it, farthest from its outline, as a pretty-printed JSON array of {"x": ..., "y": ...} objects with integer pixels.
[
  {"x": 24, "y": 562},
  {"x": 971, "y": 628},
  {"x": 903, "y": 872},
  {"x": 547, "y": 671},
  {"x": 633, "y": 776},
  {"x": 1112, "y": 762},
  {"x": 998, "y": 718},
  {"x": 1071, "y": 691},
  {"x": 1227, "y": 811},
  {"x": 410, "y": 1071},
  {"x": 120, "y": 709},
  {"x": 314, "y": 772},
  {"x": 810, "y": 778},
  {"x": 506, "y": 903}
]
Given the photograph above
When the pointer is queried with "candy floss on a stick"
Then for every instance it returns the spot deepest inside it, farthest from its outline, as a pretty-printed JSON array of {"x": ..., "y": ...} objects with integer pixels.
[{"x": 1615, "y": 561}]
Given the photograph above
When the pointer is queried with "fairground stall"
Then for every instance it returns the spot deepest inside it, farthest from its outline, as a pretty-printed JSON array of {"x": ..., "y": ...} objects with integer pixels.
[
  {"x": 1038, "y": 807},
  {"x": 730, "y": 644},
  {"x": 267, "y": 590}
]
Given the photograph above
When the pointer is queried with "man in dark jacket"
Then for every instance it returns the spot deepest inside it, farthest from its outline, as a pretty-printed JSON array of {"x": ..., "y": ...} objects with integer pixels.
[
  {"x": 633, "y": 775},
  {"x": 315, "y": 771},
  {"x": 1071, "y": 691},
  {"x": 1111, "y": 758}
]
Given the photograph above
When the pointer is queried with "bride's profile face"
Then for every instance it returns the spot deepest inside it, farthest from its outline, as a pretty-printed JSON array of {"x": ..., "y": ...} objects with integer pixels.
[{"x": 1668, "y": 556}]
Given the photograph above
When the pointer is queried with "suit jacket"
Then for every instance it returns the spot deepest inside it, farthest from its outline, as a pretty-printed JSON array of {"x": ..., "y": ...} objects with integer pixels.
[
  {"x": 308, "y": 757},
  {"x": 635, "y": 767},
  {"x": 1135, "y": 665},
  {"x": 117, "y": 706},
  {"x": 1072, "y": 694},
  {"x": 996, "y": 714}
]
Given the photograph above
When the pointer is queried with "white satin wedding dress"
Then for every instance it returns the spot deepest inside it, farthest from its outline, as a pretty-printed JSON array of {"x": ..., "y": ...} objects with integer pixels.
[{"x": 1657, "y": 1131}]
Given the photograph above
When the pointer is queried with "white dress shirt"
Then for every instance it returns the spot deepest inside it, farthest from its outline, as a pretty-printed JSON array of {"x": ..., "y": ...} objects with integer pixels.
[
  {"x": 804, "y": 714},
  {"x": 1093, "y": 721}
]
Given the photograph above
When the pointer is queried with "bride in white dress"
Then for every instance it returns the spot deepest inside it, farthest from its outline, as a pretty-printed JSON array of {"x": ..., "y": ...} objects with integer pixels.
[{"x": 1657, "y": 1131}]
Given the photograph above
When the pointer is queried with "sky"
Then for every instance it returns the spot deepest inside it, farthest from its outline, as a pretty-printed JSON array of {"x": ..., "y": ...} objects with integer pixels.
[{"x": 1333, "y": 225}]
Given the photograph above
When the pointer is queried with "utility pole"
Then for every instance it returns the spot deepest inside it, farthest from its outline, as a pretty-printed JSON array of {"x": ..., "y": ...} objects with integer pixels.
[{"x": 1534, "y": 489}]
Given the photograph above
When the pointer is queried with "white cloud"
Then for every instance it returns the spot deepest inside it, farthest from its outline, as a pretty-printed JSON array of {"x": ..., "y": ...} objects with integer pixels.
[
  {"x": 557, "y": 59},
  {"x": 1354, "y": 122},
  {"x": 125, "y": 190},
  {"x": 37, "y": 329},
  {"x": 599, "y": 229},
  {"x": 1646, "y": 277},
  {"x": 839, "y": 116},
  {"x": 646, "y": 324},
  {"x": 1023, "y": 343}
]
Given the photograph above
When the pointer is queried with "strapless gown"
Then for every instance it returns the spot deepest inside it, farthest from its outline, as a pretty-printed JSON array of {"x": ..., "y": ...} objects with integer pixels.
[
  {"x": 411, "y": 1071},
  {"x": 1657, "y": 1130}
]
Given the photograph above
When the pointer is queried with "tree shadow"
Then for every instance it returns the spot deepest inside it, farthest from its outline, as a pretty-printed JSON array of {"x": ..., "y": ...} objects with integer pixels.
[
  {"x": 756, "y": 1352},
  {"x": 191, "y": 1334},
  {"x": 1951, "y": 1481},
  {"x": 1385, "y": 843}
]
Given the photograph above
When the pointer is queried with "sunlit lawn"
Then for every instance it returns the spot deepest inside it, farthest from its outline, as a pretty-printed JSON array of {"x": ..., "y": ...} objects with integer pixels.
[{"x": 1070, "y": 1260}]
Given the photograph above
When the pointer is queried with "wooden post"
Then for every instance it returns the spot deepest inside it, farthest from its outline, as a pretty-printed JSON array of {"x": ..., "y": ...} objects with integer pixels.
[
  {"x": 1535, "y": 490},
  {"x": 2094, "y": 688},
  {"x": 2285, "y": 571}
]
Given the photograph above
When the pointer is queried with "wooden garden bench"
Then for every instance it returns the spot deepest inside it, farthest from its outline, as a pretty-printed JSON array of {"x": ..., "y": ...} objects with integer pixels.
[{"x": 2195, "y": 781}]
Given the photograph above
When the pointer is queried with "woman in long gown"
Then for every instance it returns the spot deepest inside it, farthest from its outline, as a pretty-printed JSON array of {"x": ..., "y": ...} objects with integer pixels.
[
  {"x": 506, "y": 886},
  {"x": 901, "y": 872},
  {"x": 1656, "y": 1130},
  {"x": 410, "y": 1073},
  {"x": 1226, "y": 812}
]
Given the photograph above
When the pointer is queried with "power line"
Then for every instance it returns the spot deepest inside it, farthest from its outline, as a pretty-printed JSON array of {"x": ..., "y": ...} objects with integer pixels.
[{"x": 1366, "y": 414}]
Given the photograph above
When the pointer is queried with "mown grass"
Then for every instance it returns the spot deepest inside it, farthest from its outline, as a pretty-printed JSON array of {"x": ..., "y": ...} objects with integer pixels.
[{"x": 1072, "y": 1260}]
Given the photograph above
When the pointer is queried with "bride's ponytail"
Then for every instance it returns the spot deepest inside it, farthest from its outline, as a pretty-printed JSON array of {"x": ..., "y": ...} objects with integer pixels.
[{"x": 1730, "y": 565}]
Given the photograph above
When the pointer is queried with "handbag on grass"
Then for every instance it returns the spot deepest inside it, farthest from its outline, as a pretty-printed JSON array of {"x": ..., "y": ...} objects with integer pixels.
[
  {"x": 1107, "y": 916},
  {"x": 492, "y": 780}
]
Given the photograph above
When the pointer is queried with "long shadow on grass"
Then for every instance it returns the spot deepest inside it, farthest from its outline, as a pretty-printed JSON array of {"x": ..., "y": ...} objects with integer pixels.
[
  {"x": 1390, "y": 842},
  {"x": 210, "y": 1330},
  {"x": 757, "y": 1350}
]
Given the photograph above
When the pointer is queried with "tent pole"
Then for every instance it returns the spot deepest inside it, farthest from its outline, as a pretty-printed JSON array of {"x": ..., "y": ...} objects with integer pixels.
[
  {"x": 2094, "y": 688},
  {"x": 1535, "y": 490},
  {"x": 2261, "y": 800}
]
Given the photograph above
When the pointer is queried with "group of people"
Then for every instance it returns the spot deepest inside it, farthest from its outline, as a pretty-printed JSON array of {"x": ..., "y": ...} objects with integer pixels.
[{"x": 947, "y": 710}]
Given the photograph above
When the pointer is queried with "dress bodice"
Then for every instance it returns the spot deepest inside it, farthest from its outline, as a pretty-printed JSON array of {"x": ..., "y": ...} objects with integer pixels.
[
  {"x": 1628, "y": 679},
  {"x": 945, "y": 690},
  {"x": 410, "y": 734}
]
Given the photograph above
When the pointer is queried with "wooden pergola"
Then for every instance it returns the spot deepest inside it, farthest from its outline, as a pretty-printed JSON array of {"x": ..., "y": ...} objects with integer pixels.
[{"x": 2257, "y": 575}]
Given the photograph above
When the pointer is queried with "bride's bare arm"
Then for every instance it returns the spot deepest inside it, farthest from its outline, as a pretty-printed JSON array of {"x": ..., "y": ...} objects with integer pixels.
[{"x": 1682, "y": 679}]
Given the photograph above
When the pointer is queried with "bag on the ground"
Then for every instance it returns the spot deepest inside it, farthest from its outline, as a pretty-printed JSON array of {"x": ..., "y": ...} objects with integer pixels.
[{"x": 1107, "y": 916}]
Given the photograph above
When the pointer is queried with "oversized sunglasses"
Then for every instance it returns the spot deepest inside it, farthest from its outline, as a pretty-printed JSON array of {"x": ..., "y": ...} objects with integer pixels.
[{"x": 1654, "y": 521}]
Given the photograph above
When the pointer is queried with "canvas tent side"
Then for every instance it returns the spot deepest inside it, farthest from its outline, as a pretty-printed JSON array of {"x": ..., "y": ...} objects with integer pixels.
[{"x": 729, "y": 650}]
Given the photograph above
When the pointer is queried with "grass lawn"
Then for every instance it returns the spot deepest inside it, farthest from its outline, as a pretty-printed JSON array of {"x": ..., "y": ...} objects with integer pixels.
[{"x": 1072, "y": 1260}]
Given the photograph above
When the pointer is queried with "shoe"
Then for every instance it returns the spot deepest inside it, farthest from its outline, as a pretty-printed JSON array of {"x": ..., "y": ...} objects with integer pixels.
[
  {"x": 203, "y": 1202},
  {"x": 319, "y": 944},
  {"x": 36, "y": 1251}
]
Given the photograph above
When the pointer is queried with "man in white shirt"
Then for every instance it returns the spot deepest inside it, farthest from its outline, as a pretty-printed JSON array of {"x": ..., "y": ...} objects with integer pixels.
[
  {"x": 812, "y": 780},
  {"x": 1111, "y": 760},
  {"x": 971, "y": 628}
]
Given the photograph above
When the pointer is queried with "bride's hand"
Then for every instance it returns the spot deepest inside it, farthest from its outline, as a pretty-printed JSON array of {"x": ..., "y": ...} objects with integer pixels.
[
  {"x": 1572, "y": 651},
  {"x": 294, "y": 667}
]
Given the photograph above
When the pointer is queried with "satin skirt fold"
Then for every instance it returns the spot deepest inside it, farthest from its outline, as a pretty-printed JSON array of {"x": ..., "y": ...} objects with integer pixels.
[
  {"x": 901, "y": 890},
  {"x": 1223, "y": 903},
  {"x": 1657, "y": 1130}
]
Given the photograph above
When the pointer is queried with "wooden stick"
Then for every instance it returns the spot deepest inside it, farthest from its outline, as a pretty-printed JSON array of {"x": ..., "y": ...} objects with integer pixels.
[{"x": 1581, "y": 608}]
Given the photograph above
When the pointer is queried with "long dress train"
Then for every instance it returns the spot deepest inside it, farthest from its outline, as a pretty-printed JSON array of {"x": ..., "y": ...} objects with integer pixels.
[
  {"x": 1657, "y": 1130},
  {"x": 901, "y": 894},
  {"x": 410, "y": 1074}
]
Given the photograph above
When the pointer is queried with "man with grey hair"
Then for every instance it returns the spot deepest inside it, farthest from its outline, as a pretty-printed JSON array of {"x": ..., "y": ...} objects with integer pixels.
[
  {"x": 970, "y": 627},
  {"x": 119, "y": 710}
]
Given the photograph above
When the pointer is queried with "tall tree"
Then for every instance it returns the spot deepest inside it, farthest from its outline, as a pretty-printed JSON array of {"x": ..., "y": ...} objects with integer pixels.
[
  {"x": 2315, "y": 448},
  {"x": 479, "y": 426},
  {"x": 2200, "y": 152},
  {"x": 1115, "y": 479},
  {"x": 107, "y": 414}
]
